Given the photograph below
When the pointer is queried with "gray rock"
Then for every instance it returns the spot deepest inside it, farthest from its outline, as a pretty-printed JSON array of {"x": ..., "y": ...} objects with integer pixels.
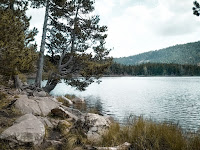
[
  {"x": 45, "y": 122},
  {"x": 46, "y": 104},
  {"x": 63, "y": 113},
  {"x": 40, "y": 94},
  {"x": 41, "y": 106},
  {"x": 97, "y": 125},
  {"x": 27, "y": 106},
  {"x": 125, "y": 146},
  {"x": 73, "y": 111},
  {"x": 27, "y": 129},
  {"x": 68, "y": 100},
  {"x": 77, "y": 100}
]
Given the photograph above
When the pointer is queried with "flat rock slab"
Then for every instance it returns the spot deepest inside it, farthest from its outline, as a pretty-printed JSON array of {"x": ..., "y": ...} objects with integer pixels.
[
  {"x": 27, "y": 129},
  {"x": 40, "y": 106}
]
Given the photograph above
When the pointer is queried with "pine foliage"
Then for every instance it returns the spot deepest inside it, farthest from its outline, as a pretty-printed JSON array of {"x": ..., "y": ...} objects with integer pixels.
[
  {"x": 76, "y": 43},
  {"x": 17, "y": 52}
]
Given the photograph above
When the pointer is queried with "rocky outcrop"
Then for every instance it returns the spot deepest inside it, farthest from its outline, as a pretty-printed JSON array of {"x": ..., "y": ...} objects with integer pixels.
[
  {"x": 36, "y": 105},
  {"x": 97, "y": 125},
  {"x": 27, "y": 129}
]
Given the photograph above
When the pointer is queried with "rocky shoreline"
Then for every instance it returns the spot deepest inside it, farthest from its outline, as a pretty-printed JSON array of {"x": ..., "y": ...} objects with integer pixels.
[{"x": 45, "y": 123}]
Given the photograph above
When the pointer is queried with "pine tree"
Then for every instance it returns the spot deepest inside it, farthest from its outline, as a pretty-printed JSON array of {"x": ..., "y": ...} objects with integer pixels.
[
  {"x": 46, "y": 4},
  {"x": 76, "y": 44},
  {"x": 17, "y": 51}
]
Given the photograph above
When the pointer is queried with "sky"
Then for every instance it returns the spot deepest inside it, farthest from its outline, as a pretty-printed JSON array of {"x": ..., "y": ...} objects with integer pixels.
[{"x": 137, "y": 26}]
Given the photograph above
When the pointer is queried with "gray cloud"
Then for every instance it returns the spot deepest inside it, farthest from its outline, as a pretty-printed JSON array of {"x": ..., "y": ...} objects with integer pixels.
[{"x": 136, "y": 26}]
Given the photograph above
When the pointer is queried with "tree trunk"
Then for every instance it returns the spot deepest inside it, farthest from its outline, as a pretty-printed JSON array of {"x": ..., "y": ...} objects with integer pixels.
[
  {"x": 53, "y": 80},
  {"x": 42, "y": 47},
  {"x": 17, "y": 82},
  {"x": 48, "y": 88}
]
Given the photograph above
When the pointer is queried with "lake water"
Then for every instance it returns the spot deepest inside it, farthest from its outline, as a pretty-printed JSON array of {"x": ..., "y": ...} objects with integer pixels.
[{"x": 174, "y": 99}]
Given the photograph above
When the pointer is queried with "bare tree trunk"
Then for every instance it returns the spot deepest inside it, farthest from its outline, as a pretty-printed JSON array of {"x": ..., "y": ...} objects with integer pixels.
[
  {"x": 42, "y": 47},
  {"x": 48, "y": 88},
  {"x": 17, "y": 82},
  {"x": 51, "y": 83}
]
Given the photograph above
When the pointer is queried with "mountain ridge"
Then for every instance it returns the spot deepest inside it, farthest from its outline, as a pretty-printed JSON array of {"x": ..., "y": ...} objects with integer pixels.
[{"x": 188, "y": 53}]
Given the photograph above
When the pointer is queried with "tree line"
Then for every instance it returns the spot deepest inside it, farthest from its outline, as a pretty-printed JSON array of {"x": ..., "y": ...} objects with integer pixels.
[
  {"x": 154, "y": 69},
  {"x": 72, "y": 37}
]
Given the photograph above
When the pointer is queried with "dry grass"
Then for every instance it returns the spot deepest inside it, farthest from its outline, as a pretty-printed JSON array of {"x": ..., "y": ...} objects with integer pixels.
[
  {"x": 145, "y": 134},
  {"x": 8, "y": 113},
  {"x": 70, "y": 96},
  {"x": 63, "y": 101}
]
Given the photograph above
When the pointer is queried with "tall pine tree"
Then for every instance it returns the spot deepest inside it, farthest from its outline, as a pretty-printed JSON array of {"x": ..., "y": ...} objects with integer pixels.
[
  {"x": 46, "y": 4},
  {"x": 17, "y": 51},
  {"x": 76, "y": 44}
]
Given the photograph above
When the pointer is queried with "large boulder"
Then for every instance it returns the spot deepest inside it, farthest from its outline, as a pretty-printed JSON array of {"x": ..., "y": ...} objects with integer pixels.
[
  {"x": 97, "y": 126},
  {"x": 41, "y": 106},
  {"x": 27, "y": 129}
]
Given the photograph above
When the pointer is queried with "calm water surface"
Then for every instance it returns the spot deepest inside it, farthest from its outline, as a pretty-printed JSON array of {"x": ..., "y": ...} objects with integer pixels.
[{"x": 175, "y": 99}]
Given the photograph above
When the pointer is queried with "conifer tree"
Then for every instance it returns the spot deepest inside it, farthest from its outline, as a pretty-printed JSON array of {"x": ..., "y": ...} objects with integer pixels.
[
  {"x": 196, "y": 8},
  {"x": 76, "y": 44},
  {"x": 46, "y": 4},
  {"x": 17, "y": 51}
]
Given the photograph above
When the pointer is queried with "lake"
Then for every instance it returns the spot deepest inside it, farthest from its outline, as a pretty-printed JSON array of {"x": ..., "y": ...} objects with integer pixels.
[{"x": 174, "y": 99}]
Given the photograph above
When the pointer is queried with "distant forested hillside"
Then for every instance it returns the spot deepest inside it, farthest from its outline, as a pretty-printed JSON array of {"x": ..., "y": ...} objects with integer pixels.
[
  {"x": 180, "y": 54},
  {"x": 154, "y": 69}
]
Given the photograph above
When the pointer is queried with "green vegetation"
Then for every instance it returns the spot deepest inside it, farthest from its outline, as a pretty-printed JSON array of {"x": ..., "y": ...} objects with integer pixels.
[
  {"x": 180, "y": 54},
  {"x": 17, "y": 53},
  {"x": 154, "y": 69},
  {"x": 145, "y": 134}
]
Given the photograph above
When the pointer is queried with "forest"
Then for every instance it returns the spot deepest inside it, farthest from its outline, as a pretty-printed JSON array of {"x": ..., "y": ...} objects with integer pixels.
[{"x": 154, "y": 69}]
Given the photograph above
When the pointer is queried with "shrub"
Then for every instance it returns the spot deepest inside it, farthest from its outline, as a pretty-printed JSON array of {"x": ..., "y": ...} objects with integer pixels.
[{"x": 146, "y": 134}]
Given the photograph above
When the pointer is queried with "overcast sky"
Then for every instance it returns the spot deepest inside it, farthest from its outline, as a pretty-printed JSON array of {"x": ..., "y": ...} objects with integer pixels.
[{"x": 137, "y": 26}]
